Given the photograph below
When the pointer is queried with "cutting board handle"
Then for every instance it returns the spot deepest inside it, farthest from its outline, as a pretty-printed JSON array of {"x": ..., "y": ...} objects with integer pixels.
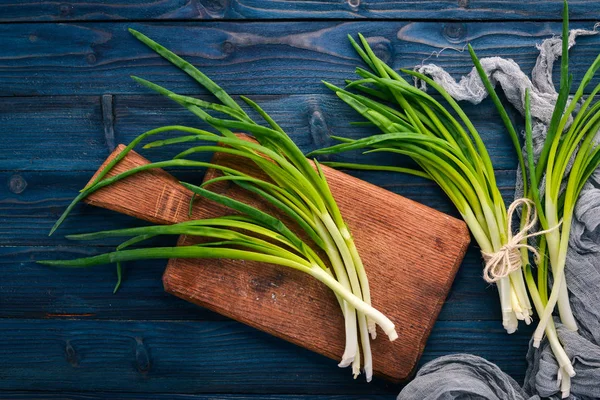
[{"x": 153, "y": 195}]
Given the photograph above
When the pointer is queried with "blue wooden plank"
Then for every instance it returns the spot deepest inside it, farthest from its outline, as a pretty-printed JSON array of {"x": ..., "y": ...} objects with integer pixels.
[
  {"x": 30, "y": 290},
  {"x": 29, "y": 395},
  {"x": 33, "y": 291},
  {"x": 208, "y": 357},
  {"x": 28, "y": 213},
  {"x": 66, "y": 133},
  {"x": 309, "y": 119},
  {"x": 35, "y": 200},
  {"x": 38, "y": 132},
  {"x": 71, "y": 10},
  {"x": 250, "y": 58}
]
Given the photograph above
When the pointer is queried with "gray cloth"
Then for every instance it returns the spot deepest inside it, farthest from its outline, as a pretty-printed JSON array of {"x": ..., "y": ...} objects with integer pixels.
[{"x": 464, "y": 376}]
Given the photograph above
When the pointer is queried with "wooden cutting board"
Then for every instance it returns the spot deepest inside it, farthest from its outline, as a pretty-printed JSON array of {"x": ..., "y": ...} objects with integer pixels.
[{"x": 411, "y": 254}]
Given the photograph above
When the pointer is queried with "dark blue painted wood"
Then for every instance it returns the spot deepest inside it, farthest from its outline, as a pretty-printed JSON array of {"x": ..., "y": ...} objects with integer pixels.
[
  {"x": 30, "y": 290},
  {"x": 37, "y": 197},
  {"x": 250, "y": 58},
  {"x": 207, "y": 357},
  {"x": 38, "y": 133},
  {"x": 69, "y": 133},
  {"x": 62, "y": 330},
  {"x": 308, "y": 119},
  {"x": 13, "y": 395},
  {"x": 71, "y": 10},
  {"x": 29, "y": 214}
]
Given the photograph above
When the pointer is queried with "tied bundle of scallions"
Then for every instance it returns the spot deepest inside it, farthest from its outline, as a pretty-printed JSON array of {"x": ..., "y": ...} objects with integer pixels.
[
  {"x": 448, "y": 151},
  {"x": 293, "y": 186},
  {"x": 569, "y": 156},
  {"x": 416, "y": 125}
]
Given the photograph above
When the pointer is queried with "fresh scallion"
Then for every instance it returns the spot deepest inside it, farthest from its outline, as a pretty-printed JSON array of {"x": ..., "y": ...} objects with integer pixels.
[
  {"x": 457, "y": 160},
  {"x": 448, "y": 150},
  {"x": 293, "y": 185}
]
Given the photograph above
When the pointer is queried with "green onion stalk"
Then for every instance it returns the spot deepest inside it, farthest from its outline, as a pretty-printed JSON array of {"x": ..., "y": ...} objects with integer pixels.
[
  {"x": 448, "y": 151},
  {"x": 562, "y": 145},
  {"x": 290, "y": 182},
  {"x": 538, "y": 290},
  {"x": 423, "y": 130},
  {"x": 569, "y": 156}
]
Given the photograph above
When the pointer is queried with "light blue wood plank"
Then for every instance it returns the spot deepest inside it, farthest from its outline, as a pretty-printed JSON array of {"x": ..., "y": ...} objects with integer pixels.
[
  {"x": 251, "y": 58},
  {"x": 70, "y": 10}
]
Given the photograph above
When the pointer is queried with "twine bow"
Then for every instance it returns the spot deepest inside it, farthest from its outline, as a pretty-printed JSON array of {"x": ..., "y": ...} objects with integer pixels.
[{"x": 508, "y": 259}]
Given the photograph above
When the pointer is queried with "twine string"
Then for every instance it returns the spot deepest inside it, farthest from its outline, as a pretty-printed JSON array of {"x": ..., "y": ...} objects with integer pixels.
[{"x": 501, "y": 263}]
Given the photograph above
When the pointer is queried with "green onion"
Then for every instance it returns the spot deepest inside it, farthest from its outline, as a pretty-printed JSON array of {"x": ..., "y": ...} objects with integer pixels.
[
  {"x": 564, "y": 144},
  {"x": 461, "y": 167},
  {"x": 448, "y": 150},
  {"x": 556, "y": 205},
  {"x": 293, "y": 185}
]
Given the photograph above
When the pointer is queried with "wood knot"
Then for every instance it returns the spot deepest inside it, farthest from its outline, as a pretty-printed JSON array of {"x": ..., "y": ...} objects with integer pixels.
[
  {"x": 214, "y": 6},
  {"x": 227, "y": 47},
  {"x": 142, "y": 358},
  {"x": 354, "y": 4},
  {"x": 17, "y": 184},
  {"x": 382, "y": 48},
  {"x": 71, "y": 354},
  {"x": 454, "y": 32},
  {"x": 65, "y": 10},
  {"x": 439, "y": 244}
]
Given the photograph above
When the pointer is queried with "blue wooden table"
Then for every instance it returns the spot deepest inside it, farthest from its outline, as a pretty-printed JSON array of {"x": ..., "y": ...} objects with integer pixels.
[{"x": 66, "y": 99}]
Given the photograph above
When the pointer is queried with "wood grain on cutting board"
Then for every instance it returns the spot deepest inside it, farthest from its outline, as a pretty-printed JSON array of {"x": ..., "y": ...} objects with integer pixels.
[{"x": 411, "y": 254}]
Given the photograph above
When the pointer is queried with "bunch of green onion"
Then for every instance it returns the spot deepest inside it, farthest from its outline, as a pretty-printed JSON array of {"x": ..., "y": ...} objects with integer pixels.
[
  {"x": 416, "y": 125},
  {"x": 569, "y": 156},
  {"x": 293, "y": 186},
  {"x": 449, "y": 152}
]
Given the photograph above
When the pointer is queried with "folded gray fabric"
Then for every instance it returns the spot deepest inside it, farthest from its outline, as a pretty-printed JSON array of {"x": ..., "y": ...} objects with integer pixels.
[{"x": 464, "y": 376}]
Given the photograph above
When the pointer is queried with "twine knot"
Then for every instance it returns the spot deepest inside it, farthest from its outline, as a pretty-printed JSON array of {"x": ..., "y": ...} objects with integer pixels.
[{"x": 501, "y": 263}]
